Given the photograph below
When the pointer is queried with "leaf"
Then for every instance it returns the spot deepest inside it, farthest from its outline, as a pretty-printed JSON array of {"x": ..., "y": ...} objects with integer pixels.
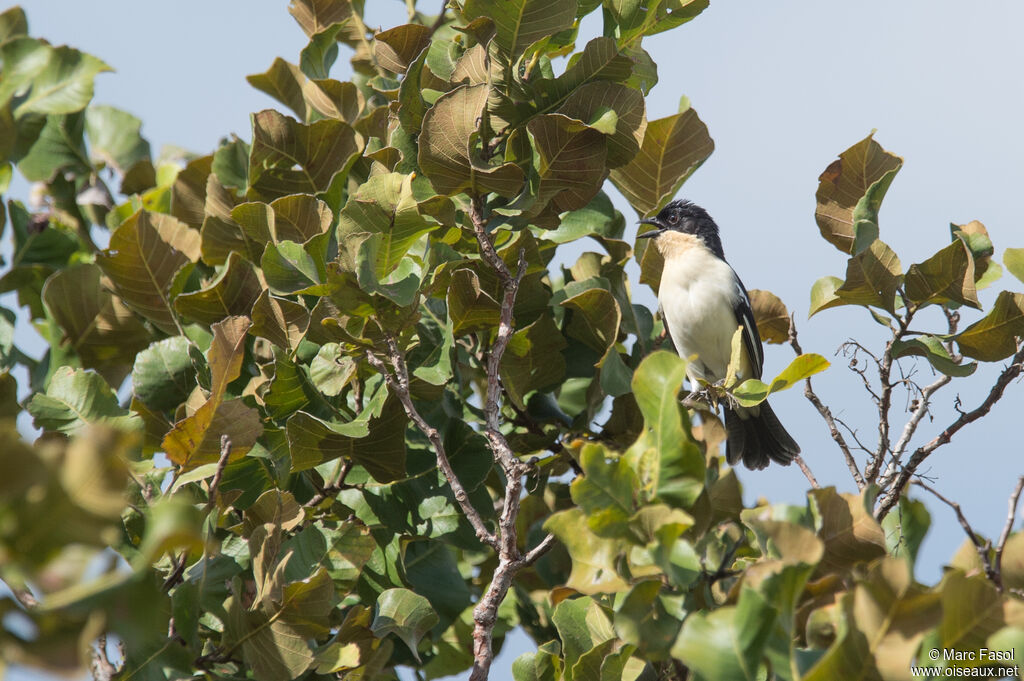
[
  {"x": 279, "y": 320},
  {"x": 669, "y": 464},
  {"x": 771, "y": 316},
  {"x": 188, "y": 191},
  {"x": 993, "y": 337},
  {"x": 446, "y": 141},
  {"x": 405, "y": 614},
  {"x": 850, "y": 193},
  {"x": 643, "y": 19},
  {"x": 98, "y": 327},
  {"x": 145, "y": 255},
  {"x": 872, "y": 277},
  {"x": 376, "y": 440},
  {"x": 470, "y": 308},
  {"x": 572, "y": 164},
  {"x": 518, "y": 23},
  {"x": 233, "y": 292},
  {"x": 164, "y": 374},
  {"x": 292, "y": 268},
  {"x": 906, "y": 529},
  {"x": 947, "y": 276},
  {"x": 823, "y": 294},
  {"x": 115, "y": 138},
  {"x": 59, "y": 147},
  {"x": 972, "y": 610},
  {"x": 288, "y": 157},
  {"x": 727, "y": 643},
  {"x": 642, "y": 620},
  {"x": 598, "y": 218},
  {"x": 331, "y": 371},
  {"x": 932, "y": 349},
  {"x": 593, "y": 558},
  {"x": 288, "y": 84},
  {"x": 851, "y": 534},
  {"x": 1013, "y": 260},
  {"x": 315, "y": 16},
  {"x": 230, "y": 166},
  {"x": 586, "y": 103},
  {"x": 753, "y": 391},
  {"x": 13, "y": 23},
  {"x": 673, "y": 148},
  {"x": 396, "y": 48},
  {"x": 48, "y": 80},
  {"x": 533, "y": 359},
  {"x": 605, "y": 491},
  {"x": 75, "y": 399}
]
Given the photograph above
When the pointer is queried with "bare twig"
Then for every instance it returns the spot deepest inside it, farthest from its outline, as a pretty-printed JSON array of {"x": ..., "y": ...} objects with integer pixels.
[
  {"x": 982, "y": 547},
  {"x": 923, "y": 404},
  {"x": 885, "y": 364},
  {"x": 399, "y": 384},
  {"x": 1011, "y": 515},
  {"x": 103, "y": 669},
  {"x": 1008, "y": 374},
  {"x": 222, "y": 462},
  {"x": 825, "y": 412},
  {"x": 807, "y": 471},
  {"x": 439, "y": 22},
  {"x": 329, "y": 490}
]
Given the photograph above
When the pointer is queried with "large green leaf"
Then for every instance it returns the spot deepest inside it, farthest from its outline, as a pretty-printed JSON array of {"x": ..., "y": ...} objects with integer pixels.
[
  {"x": 75, "y": 399},
  {"x": 638, "y": 19},
  {"x": 993, "y": 337},
  {"x": 115, "y": 137},
  {"x": 519, "y": 23},
  {"x": 48, "y": 80},
  {"x": 673, "y": 148},
  {"x": 145, "y": 256},
  {"x": 396, "y": 48},
  {"x": 932, "y": 349},
  {"x": 594, "y": 99},
  {"x": 470, "y": 308},
  {"x": 279, "y": 320},
  {"x": 164, "y": 374},
  {"x": 1013, "y": 259},
  {"x": 59, "y": 148},
  {"x": 594, "y": 558},
  {"x": 288, "y": 157},
  {"x": 846, "y": 526},
  {"x": 872, "y": 277},
  {"x": 233, "y": 292},
  {"x": 850, "y": 192},
  {"x": 533, "y": 359},
  {"x": 309, "y": 99},
  {"x": 405, "y": 614},
  {"x": 293, "y": 268},
  {"x": 98, "y": 327},
  {"x": 447, "y": 141},
  {"x": 42, "y": 243},
  {"x": 947, "y": 276},
  {"x": 753, "y": 391}
]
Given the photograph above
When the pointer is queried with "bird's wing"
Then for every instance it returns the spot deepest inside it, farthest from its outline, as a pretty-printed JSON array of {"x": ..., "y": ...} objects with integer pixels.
[{"x": 751, "y": 337}]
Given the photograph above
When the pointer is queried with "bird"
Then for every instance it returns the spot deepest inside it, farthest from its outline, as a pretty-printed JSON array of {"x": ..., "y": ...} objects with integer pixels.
[{"x": 703, "y": 302}]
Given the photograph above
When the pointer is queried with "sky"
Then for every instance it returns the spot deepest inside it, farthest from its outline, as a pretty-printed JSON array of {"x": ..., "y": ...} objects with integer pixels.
[{"x": 783, "y": 87}]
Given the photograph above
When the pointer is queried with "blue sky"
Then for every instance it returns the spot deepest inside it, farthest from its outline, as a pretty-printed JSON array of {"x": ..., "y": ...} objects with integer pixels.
[{"x": 783, "y": 87}]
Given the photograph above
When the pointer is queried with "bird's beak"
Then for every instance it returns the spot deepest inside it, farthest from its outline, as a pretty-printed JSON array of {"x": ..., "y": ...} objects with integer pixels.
[{"x": 653, "y": 232}]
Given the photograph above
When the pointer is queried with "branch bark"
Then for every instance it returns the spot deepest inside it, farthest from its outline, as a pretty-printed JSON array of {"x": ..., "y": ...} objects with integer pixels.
[
  {"x": 1011, "y": 515},
  {"x": 980, "y": 546},
  {"x": 1007, "y": 375}
]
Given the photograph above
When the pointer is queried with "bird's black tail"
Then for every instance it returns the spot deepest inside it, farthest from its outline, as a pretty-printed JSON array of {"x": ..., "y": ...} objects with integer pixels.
[{"x": 757, "y": 437}]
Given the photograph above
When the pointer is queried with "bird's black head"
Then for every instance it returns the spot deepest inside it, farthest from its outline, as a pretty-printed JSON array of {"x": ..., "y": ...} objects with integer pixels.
[{"x": 686, "y": 217}]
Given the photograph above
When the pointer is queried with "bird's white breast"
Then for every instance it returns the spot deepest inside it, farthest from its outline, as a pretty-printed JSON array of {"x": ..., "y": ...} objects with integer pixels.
[{"x": 697, "y": 294}]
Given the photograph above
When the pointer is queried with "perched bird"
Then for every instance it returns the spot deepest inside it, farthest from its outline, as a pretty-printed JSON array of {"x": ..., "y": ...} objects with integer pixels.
[{"x": 703, "y": 302}]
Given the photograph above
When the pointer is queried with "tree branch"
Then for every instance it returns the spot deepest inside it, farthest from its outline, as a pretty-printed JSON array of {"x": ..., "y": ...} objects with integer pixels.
[
  {"x": 399, "y": 384},
  {"x": 1011, "y": 515},
  {"x": 806, "y": 470},
  {"x": 885, "y": 400},
  {"x": 1007, "y": 375},
  {"x": 222, "y": 462},
  {"x": 981, "y": 547},
  {"x": 332, "y": 488},
  {"x": 825, "y": 412}
]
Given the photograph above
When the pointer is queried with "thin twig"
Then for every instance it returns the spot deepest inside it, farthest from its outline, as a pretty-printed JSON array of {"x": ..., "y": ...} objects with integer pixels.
[
  {"x": 222, "y": 462},
  {"x": 1008, "y": 374},
  {"x": 399, "y": 384},
  {"x": 825, "y": 412},
  {"x": 439, "y": 22},
  {"x": 1011, "y": 515},
  {"x": 982, "y": 547},
  {"x": 923, "y": 403},
  {"x": 807, "y": 471},
  {"x": 103, "y": 669},
  {"x": 329, "y": 490},
  {"x": 885, "y": 402}
]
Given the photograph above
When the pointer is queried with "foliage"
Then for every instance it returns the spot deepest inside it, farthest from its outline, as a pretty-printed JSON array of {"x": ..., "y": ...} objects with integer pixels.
[{"x": 370, "y": 425}]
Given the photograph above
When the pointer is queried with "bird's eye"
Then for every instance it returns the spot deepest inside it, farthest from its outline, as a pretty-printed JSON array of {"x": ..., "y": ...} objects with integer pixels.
[{"x": 673, "y": 218}]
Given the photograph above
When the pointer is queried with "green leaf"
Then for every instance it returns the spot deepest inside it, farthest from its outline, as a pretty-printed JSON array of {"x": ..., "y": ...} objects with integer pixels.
[
  {"x": 605, "y": 491},
  {"x": 753, "y": 391},
  {"x": 49, "y": 80},
  {"x": 279, "y": 320},
  {"x": 115, "y": 138},
  {"x": 872, "y": 277},
  {"x": 673, "y": 148},
  {"x": 447, "y": 152},
  {"x": 405, "y": 614},
  {"x": 470, "y": 308},
  {"x": 317, "y": 58},
  {"x": 533, "y": 359},
  {"x": 233, "y": 292},
  {"x": 375, "y": 440},
  {"x": 906, "y": 528},
  {"x": 932, "y": 349},
  {"x": 396, "y": 48},
  {"x": 571, "y": 166},
  {"x": 519, "y": 23},
  {"x": 291, "y": 268},
  {"x": 75, "y": 399},
  {"x": 98, "y": 327},
  {"x": 231, "y": 165},
  {"x": 669, "y": 464},
  {"x": 993, "y": 337},
  {"x": 727, "y": 643},
  {"x": 642, "y": 620},
  {"x": 638, "y": 19},
  {"x": 593, "y": 558},
  {"x": 60, "y": 147},
  {"x": 823, "y": 294},
  {"x": 38, "y": 242},
  {"x": 947, "y": 276},
  {"x": 288, "y": 157},
  {"x": 1013, "y": 260},
  {"x": 599, "y": 218},
  {"x": 146, "y": 254},
  {"x": 164, "y": 373},
  {"x": 850, "y": 193},
  {"x": 13, "y": 23},
  {"x": 846, "y": 526}
]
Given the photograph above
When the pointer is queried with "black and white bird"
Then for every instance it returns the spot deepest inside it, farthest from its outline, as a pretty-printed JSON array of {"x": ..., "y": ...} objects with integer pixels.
[{"x": 703, "y": 302}]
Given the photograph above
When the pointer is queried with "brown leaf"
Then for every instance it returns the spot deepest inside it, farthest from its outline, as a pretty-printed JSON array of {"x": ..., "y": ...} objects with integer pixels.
[{"x": 771, "y": 316}]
